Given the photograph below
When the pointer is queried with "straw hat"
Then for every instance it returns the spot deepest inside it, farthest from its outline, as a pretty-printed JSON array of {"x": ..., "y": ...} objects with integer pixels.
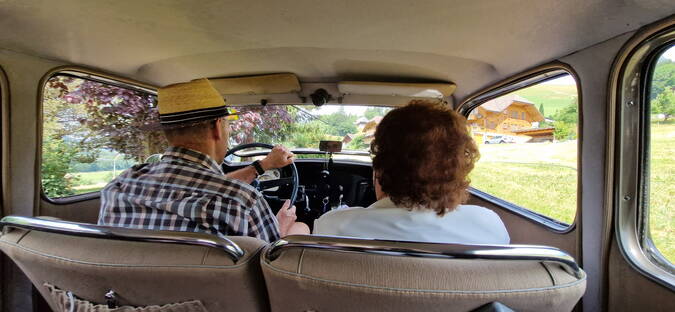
[{"x": 190, "y": 102}]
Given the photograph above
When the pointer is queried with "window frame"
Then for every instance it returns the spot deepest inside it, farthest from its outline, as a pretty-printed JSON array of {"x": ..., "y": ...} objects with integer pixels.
[
  {"x": 628, "y": 190},
  {"x": 520, "y": 81},
  {"x": 86, "y": 74},
  {"x": 4, "y": 143}
]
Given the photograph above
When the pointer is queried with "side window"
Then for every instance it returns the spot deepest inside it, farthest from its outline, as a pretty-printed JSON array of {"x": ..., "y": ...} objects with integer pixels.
[
  {"x": 91, "y": 132},
  {"x": 659, "y": 204},
  {"x": 530, "y": 161}
]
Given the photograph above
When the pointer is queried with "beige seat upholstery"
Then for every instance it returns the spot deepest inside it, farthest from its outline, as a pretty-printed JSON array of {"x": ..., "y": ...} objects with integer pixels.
[
  {"x": 139, "y": 271},
  {"x": 339, "y": 274}
]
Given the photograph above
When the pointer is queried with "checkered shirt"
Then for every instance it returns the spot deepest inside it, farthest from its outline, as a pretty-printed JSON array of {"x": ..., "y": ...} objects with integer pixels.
[{"x": 186, "y": 191}]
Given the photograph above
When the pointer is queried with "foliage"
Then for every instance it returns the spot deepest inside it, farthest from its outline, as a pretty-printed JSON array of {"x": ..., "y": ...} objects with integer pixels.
[
  {"x": 357, "y": 143},
  {"x": 664, "y": 104},
  {"x": 309, "y": 134},
  {"x": 340, "y": 123},
  {"x": 57, "y": 156},
  {"x": 261, "y": 123},
  {"x": 121, "y": 116},
  {"x": 541, "y": 109},
  {"x": 375, "y": 111},
  {"x": 568, "y": 114},
  {"x": 663, "y": 78},
  {"x": 564, "y": 131}
]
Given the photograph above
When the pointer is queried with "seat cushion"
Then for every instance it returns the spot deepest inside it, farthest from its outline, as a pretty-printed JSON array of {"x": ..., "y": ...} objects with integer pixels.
[
  {"x": 339, "y": 281},
  {"x": 141, "y": 273}
]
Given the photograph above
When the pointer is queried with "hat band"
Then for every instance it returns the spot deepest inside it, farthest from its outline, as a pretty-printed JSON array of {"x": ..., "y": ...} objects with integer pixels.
[{"x": 193, "y": 115}]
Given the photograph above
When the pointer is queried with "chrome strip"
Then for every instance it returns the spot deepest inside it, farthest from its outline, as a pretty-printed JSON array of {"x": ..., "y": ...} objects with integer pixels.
[
  {"x": 427, "y": 250},
  {"x": 118, "y": 233}
]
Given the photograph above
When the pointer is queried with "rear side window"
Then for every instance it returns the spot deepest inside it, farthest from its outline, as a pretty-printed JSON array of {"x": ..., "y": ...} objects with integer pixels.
[
  {"x": 528, "y": 145},
  {"x": 659, "y": 204},
  {"x": 92, "y": 131}
]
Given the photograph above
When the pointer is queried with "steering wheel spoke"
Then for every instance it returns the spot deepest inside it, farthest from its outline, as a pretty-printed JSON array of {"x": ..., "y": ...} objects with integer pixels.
[
  {"x": 292, "y": 180},
  {"x": 264, "y": 185}
]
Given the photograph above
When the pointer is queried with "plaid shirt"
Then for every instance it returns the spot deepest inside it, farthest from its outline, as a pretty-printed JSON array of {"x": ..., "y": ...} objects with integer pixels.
[{"x": 186, "y": 191}]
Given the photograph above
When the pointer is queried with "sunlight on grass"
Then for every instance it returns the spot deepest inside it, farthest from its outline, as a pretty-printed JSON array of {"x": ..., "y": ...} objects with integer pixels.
[
  {"x": 541, "y": 177},
  {"x": 662, "y": 189}
]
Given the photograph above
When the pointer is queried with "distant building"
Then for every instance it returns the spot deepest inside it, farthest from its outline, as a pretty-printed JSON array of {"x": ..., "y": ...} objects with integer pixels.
[
  {"x": 510, "y": 115},
  {"x": 361, "y": 122}
]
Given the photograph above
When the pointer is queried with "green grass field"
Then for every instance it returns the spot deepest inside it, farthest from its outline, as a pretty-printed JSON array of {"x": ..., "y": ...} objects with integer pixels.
[
  {"x": 662, "y": 189},
  {"x": 92, "y": 181},
  {"x": 543, "y": 177},
  {"x": 554, "y": 97}
]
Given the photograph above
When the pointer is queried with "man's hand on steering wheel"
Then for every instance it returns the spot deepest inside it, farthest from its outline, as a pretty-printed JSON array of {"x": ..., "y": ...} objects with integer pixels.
[{"x": 279, "y": 157}]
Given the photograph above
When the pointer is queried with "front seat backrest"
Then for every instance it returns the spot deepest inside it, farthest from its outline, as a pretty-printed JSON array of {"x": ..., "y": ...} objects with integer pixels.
[
  {"x": 142, "y": 267},
  {"x": 342, "y": 274}
]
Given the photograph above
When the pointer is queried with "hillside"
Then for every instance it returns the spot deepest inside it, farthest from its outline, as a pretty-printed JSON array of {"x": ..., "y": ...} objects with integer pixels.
[{"x": 554, "y": 97}]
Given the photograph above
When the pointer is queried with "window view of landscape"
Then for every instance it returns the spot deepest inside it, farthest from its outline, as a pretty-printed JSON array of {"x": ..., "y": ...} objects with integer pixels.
[
  {"x": 93, "y": 131},
  {"x": 528, "y": 146},
  {"x": 303, "y": 126},
  {"x": 661, "y": 201}
]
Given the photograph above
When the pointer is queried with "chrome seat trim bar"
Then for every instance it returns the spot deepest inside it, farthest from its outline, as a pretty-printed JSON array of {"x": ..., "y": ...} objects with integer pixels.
[
  {"x": 118, "y": 233},
  {"x": 427, "y": 250}
]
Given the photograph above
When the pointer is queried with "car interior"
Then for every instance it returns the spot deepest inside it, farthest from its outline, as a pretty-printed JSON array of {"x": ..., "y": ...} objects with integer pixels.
[{"x": 571, "y": 104}]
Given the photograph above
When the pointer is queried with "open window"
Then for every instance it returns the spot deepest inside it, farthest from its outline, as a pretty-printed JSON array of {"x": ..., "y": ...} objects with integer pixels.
[
  {"x": 92, "y": 130},
  {"x": 528, "y": 136}
]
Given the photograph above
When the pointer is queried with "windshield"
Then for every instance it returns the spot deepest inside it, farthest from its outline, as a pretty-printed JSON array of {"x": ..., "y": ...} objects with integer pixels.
[{"x": 301, "y": 127}]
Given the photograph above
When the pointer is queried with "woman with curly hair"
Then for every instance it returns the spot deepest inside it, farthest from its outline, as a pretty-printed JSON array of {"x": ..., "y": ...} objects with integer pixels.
[{"x": 422, "y": 156}]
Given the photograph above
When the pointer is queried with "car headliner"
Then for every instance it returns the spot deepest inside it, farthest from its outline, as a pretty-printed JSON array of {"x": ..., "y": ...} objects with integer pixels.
[{"x": 470, "y": 43}]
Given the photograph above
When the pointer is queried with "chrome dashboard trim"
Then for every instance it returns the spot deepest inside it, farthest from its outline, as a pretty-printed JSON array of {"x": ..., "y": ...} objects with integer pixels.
[
  {"x": 118, "y": 233},
  {"x": 427, "y": 250}
]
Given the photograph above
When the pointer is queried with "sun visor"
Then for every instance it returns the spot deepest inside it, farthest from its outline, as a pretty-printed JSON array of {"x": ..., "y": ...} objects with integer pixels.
[
  {"x": 253, "y": 85},
  {"x": 411, "y": 90}
]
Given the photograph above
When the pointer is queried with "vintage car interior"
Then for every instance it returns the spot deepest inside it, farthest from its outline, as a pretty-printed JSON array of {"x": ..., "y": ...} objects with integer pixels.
[{"x": 571, "y": 104}]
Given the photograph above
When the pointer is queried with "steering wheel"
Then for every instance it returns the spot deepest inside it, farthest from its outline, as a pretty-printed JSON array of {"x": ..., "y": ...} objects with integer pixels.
[{"x": 261, "y": 186}]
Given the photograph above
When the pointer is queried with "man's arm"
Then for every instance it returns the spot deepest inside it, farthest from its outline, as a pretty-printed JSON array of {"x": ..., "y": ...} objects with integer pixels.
[{"x": 277, "y": 158}]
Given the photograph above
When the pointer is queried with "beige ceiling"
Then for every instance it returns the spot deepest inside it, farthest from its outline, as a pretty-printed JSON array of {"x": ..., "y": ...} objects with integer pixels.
[{"x": 471, "y": 43}]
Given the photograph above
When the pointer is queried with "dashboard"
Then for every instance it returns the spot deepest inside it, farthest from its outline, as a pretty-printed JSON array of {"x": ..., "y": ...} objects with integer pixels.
[{"x": 323, "y": 186}]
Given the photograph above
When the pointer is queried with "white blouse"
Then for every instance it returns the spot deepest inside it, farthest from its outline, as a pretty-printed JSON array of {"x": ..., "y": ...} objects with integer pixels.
[{"x": 467, "y": 224}]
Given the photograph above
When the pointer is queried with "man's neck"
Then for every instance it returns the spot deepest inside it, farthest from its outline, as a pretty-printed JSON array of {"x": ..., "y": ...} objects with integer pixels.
[{"x": 202, "y": 148}]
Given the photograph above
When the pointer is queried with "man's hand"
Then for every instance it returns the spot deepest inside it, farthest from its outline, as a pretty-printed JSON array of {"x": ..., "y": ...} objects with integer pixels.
[
  {"x": 286, "y": 217},
  {"x": 277, "y": 158}
]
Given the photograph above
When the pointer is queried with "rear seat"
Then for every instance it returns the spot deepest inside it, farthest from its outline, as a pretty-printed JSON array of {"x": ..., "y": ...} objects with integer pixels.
[
  {"x": 339, "y": 274},
  {"x": 301, "y": 273}
]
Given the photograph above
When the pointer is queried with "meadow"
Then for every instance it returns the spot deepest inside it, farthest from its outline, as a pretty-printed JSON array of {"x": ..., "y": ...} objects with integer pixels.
[
  {"x": 554, "y": 97},
  {"x": 542, "y": 177}
]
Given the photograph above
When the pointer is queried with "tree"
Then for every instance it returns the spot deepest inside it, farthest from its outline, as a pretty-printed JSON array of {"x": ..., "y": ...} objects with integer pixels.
[
  {"x": 663, "y": 78},
  {"x": 262, "y": 123},
  {"x": 664, "y": 104},
  {"x": 568, "y": 114},
  {"x": 541, "y": 109},
  {"x": 340, "y": 123},
  {"x": 564, "y": 131},
  {"x": 375, "y": 111}
]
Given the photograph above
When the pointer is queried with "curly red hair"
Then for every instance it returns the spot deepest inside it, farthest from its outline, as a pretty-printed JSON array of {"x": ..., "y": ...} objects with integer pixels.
[{"x": 423, "y": 154}]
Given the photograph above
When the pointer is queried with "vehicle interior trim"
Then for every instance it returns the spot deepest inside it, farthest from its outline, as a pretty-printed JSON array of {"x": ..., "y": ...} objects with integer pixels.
[
  {"x": 523, "y": 80},
  {"x": 426, "y": 250},
  {"x": 118, "y": 233},
  {"x": 4, "y": 141},
  {"x": 627, "y": 102}
]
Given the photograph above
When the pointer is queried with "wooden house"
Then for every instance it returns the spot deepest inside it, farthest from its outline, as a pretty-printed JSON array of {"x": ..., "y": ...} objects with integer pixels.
[{"x": 510, "y": 115}]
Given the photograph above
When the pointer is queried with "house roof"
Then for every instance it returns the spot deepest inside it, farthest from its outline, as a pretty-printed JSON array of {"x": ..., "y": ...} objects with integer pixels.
[{"x": 501, "y": 103}]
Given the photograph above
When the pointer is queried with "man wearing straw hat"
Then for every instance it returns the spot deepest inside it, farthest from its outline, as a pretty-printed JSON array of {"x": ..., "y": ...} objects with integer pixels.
[{"x": 187, "y": 190}]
